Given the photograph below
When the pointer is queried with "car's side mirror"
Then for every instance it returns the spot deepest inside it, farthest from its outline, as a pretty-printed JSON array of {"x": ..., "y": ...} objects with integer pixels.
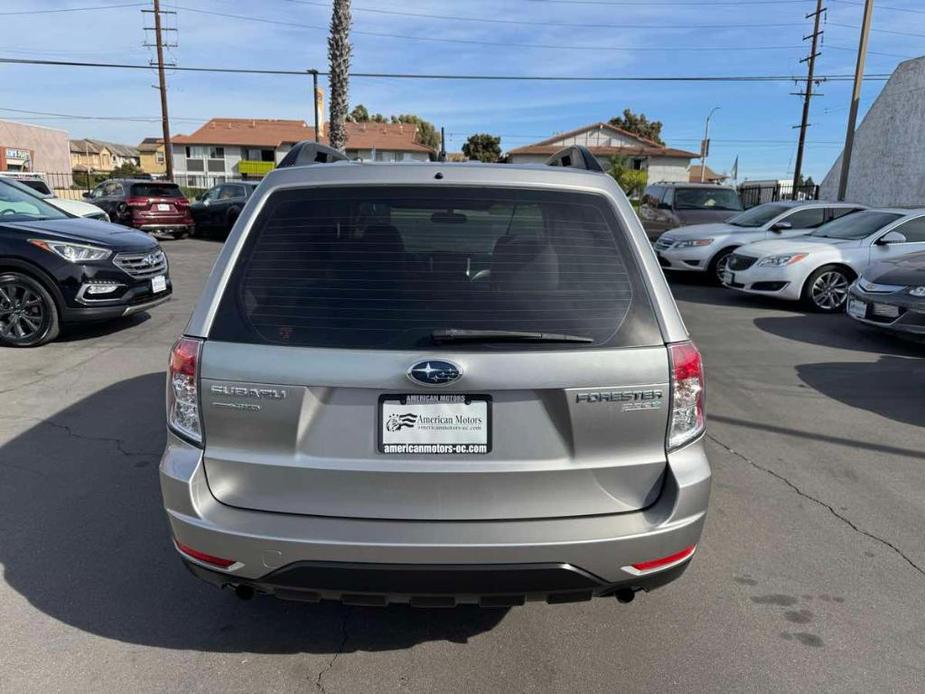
[
  {"x": 88, "y": 195},
  {"x": 781, "y": 226},
  {"x": 891, "y": 237},
  {"x": 199, "y": 196}
]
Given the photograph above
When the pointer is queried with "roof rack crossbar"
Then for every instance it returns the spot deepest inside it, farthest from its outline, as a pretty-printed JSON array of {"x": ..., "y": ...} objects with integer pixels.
[
  {"x": 309, "y": 152},
  {"x": 575, "y": 157}
]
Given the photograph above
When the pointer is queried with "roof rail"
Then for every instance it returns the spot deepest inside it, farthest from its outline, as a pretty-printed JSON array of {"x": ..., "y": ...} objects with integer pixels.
[
  {"x": 575, "y": 157},
  {"x": 309, "y": 152}
]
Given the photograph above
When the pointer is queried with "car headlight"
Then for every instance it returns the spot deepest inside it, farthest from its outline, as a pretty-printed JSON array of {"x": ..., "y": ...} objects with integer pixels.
[
  {"x": 917, "y": 291},
  {"x": 72, "y": 252},
  {"x": 693, "y": 243},
  {"x": 781, "y": 260}
]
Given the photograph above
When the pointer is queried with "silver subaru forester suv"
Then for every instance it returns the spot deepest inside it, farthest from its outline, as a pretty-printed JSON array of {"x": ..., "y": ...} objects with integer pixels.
[{"x": 436, "y": 384}]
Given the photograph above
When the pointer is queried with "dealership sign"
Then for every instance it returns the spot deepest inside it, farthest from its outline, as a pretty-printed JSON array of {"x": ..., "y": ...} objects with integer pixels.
[{"x": 19, "y": 154}]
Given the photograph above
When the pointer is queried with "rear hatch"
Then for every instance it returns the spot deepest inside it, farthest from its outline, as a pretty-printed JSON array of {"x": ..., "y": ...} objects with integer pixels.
[
  {"x": 435, "y": 354},
  {"x": 157, "y": 199}
]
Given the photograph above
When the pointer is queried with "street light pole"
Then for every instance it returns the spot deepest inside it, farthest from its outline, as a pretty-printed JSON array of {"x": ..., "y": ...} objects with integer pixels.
[
  {"x": 855, "y": 100},
  {"x": 706, "y": 143}
]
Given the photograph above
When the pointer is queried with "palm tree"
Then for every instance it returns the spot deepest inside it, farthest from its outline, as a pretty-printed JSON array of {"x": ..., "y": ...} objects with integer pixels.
[{"x": 339, "y": 57}]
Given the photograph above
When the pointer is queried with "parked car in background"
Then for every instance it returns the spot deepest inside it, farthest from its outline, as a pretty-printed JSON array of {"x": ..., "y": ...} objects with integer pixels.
[
  {"x": 707, "y": 247},
  {"x": 156, "y": 206},
  {"x": 666, "y": 206},
  {"x": 38, "y": 185},
  {"x": 56, "y": 269},
  {"x": 819, "y": 268},
  {"x": 218, "y": 208},
  {"x": 891, "y": 296},
  {"x": 457, "y": 411}
]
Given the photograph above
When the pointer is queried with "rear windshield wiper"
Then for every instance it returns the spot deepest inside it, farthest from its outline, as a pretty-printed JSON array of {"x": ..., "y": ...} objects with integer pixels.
[{"x": 455, "y": 335}]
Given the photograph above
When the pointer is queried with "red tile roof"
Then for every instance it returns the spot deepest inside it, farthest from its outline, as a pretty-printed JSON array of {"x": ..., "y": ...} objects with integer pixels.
[
  {"x": 261, "y": 132},
  {"x": 646, "y": 147}
]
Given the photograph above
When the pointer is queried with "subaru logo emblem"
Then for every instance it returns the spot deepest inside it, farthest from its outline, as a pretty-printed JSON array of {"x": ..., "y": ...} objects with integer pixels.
[{"x": 434, "y": 373}]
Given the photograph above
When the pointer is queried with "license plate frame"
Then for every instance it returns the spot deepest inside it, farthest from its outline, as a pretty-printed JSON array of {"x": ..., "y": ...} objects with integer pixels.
[
  {"x": 158, "y": 284},
  {"x": 449, "y": 440},
  {"x": 857, "y": 308},
  {"x": 163, "y": 207}
]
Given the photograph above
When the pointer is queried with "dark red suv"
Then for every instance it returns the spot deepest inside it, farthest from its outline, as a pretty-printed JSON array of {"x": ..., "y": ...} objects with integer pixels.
[{"x": 156, "y": 206}]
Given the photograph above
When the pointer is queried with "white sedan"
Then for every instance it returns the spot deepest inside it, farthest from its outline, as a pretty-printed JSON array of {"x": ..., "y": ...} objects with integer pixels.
[
  {"x": 818, "y": 269},
  {"x": 707, "y": 247}
]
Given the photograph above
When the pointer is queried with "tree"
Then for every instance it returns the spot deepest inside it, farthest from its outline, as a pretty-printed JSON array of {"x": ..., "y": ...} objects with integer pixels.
[
  {"x": 339, "y": 58},
  {"x": 427, "y": 132},
  {"x": 126, "y": 170},
  {"x": 638, "y": 124},
  {"x": 482, "y": 147},
  {"x": 632, "y": 181},
  {"x": 360, "y": 114}
]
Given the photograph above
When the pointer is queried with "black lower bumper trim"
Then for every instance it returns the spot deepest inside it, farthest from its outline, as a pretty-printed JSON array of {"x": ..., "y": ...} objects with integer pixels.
[{"x": 434, "y": 585}]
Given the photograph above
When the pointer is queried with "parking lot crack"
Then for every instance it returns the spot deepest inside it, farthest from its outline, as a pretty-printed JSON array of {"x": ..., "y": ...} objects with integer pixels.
[
  {"x": 345, "y": 636},
  {"x": 844, "y": 519},
  {"x": 118, "y": 443}
]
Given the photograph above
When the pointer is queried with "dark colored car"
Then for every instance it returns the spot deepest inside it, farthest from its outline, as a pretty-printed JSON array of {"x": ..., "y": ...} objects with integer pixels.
[
  {"x": 155, "y": 206},
  {"x": 666, "y": 206},
  {"x": 891, "y": 296},
  {"x": 56, "y": 269},
  {"x": 217, "y": 209}
]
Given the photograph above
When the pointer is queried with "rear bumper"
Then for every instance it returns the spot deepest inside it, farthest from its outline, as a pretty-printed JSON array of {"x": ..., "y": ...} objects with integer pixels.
[{"x": 267, "y": 547}]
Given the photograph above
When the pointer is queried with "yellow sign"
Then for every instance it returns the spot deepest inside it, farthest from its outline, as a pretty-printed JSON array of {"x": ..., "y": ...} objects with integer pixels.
[{"x": 255, "y": 168}]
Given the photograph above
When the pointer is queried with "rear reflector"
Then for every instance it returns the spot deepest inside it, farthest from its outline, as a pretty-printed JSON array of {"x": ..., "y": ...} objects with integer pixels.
[
  {"x": 203, "y": 557},
  {"x": 664, "y": 562}
]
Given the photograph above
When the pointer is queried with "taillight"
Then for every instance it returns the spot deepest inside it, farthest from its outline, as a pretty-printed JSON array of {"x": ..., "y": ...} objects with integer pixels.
[
  {"x": 183, "y": 389},
  {"x": 136, "y": 202},
  {"x": 203, "y": 557},
  {"x": 181, "y": 202},
  {"x": 687, "y": 411}
]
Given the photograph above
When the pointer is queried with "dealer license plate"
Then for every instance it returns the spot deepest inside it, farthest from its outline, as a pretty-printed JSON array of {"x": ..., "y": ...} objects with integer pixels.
[
  {"x": 857, "y": 308},
  {"x": 158, "y": 284},
  {"x": 435, "y": 424}
]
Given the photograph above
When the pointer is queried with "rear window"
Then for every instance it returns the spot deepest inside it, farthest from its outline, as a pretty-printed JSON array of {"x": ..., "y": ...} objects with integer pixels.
[
  {"x": 156, "y": 190},
  {"x": 706, "y": 199},
  {"x": 386, "y": 267}
]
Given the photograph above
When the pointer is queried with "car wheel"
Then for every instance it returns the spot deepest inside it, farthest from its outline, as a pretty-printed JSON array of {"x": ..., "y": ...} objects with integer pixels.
[
  {"x": 28, "y": 314},
  {"x": 826, "y": 290},
  {"x": 719, "y": 264}
]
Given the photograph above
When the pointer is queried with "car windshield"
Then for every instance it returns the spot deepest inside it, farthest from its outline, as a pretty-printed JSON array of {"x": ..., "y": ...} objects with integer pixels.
[
  {"x": 758, "y": 216},
  {"x": 856, "y": 226},
  {"x": 412, "y": 268},
  {"x": 706, "y": 199},
  {"x": 156, "y": 190},
  {"x": 19, "y": 203}
]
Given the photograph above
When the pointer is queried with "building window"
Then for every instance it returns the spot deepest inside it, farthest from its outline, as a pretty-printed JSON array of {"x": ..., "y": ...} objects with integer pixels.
[
  {"x": 216, "y": 152},
  {"x": 637, "y": 164},
  {"x": 159, "y": 157}
]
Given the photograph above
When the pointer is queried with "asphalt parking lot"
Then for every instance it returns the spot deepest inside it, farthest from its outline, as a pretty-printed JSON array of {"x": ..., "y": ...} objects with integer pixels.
[{"x": 810, "y": 575}]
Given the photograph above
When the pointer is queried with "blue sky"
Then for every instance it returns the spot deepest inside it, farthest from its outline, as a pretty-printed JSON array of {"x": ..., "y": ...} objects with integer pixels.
[{"x": 621, "y": 38}]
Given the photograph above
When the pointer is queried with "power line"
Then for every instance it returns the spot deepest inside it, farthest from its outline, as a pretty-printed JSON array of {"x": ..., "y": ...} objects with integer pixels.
[
  {"x": 524, "y": 22},
  {"x": 465, "y": 77},
  {"x": 72, "y": 9},
  {"x": 503, "y": 44},
  {"x": 882, "y": 31},
  {"x": 881, "y": 7},
  {"x": 671, "y": 3},
  {"x": 854, "y": 50}
]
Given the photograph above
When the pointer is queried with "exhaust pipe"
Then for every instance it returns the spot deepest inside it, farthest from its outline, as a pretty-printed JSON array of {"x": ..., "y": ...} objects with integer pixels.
[
  {"x": 244, "y": 592},
  {"x": 625, "y": 595}
]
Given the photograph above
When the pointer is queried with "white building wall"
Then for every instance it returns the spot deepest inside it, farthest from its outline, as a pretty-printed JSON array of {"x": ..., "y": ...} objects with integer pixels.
[
  {"x": 668, "y": 169},
  {"x": 888, "y": 161},
  {"x": 597, "y": 137}
]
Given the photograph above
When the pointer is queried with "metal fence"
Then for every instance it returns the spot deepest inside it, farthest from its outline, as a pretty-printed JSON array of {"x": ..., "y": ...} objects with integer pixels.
[
  {"x": 72, "y": 185},
  {"x": 759, "y": 193}
]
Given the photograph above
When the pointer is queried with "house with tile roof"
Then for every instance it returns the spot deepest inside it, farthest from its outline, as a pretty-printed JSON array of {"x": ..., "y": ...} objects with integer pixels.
[
  {"x": 605, "y": 141},
  {"x": 230, "y": 148}
]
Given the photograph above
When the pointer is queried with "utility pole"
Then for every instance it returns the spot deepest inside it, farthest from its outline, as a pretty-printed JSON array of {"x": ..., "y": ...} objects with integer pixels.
[
  {"x": 855, "y": 99},
  {"x": 807, "y": 94},
  {"x": 159, "y": 44},
  {"x": 315, "y": 102},
  {"x": 705, "y": 145}
]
